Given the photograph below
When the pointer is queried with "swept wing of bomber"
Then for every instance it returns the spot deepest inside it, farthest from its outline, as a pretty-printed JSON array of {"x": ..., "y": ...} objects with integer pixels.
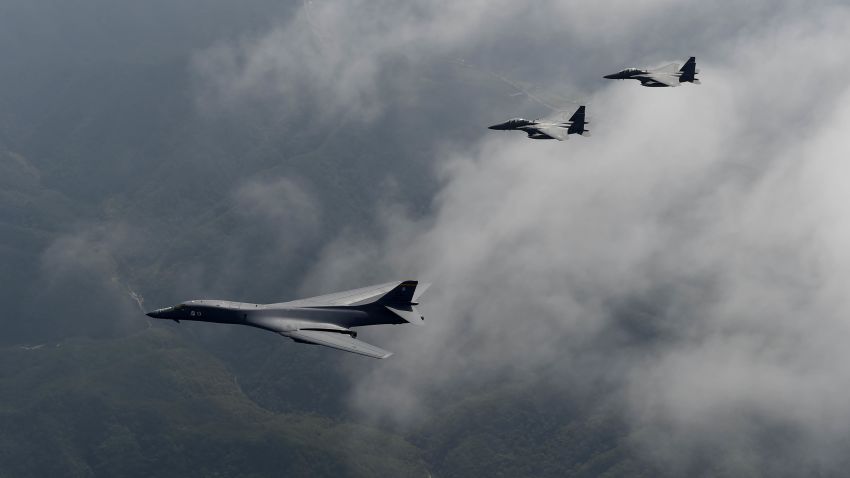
[
  {"x": 554, "y": 127},
  {"x": 666, "y": 76},
  {"x": 324, "y": 320}
]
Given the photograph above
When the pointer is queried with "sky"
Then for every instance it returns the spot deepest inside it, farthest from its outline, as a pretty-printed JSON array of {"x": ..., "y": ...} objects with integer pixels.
[
  {"x": 686, "y": 264},
  {"x": 690, "y": 254}
]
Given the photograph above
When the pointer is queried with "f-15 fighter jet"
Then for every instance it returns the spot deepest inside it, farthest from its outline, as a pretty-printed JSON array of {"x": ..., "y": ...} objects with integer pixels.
[
  {"x": 324, "y": 320},
  {"x": 670, "y": 75},
  {"x": 555, "y": 127}
]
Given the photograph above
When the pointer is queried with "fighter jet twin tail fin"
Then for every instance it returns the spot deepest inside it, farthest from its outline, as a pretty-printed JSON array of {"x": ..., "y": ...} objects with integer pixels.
[
  {"x": 578, "y": 121},
  {"x": 688, "y": 70},
  {"x": 559, "y": 126},
  {"x": 685, "y": 74}
]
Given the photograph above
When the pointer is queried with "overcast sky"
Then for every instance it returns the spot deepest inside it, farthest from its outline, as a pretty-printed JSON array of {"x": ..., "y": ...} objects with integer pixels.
[{"x": 691, "y": 256}]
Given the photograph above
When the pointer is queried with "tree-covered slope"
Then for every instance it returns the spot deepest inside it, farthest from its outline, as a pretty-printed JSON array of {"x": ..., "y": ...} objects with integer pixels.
[{"x": 151, "y": 405}]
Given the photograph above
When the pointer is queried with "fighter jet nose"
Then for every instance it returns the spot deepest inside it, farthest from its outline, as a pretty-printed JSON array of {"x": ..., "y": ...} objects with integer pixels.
[
  {"x": 151, "y": 314},
  {"x": 609, "y": 77},
  {"x": 492, "y": 127}
]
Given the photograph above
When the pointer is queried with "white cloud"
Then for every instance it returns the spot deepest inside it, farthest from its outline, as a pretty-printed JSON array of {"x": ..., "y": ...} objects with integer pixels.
[
  {"x": 723, "y": 206},
  {"x": 357, "y": 56}
]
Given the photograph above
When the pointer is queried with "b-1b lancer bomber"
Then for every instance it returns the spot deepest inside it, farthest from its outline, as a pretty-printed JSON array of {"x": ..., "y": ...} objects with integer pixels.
[
  {"x": 670, "y": 75},
  {"x": 555, "y": 127},
  {"x": 324, "y": 320}
]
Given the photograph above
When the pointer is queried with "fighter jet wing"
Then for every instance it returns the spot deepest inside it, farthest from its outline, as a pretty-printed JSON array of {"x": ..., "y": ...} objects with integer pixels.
[
  {"x": 556, "y": 117},
  {"x": 663, "y": 78},
  {"x": 666, "y": 75},
  {"x": 553, "y": 131},
  {"x": 338, "y": 341}
]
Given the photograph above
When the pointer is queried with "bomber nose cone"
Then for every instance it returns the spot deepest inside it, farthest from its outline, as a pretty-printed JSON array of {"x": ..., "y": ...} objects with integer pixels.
[{"x": 158, "y": 313}]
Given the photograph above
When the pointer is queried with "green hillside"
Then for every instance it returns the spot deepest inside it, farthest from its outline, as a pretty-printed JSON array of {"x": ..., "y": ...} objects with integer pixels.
[{"x": 151, "y": 405}]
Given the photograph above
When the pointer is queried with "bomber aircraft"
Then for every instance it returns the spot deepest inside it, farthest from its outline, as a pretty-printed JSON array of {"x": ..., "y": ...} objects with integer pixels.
[
  {"x": 323, "y": 320},
  {"x": 553, "y": 127},
  {"x": 670, "y": 75}
]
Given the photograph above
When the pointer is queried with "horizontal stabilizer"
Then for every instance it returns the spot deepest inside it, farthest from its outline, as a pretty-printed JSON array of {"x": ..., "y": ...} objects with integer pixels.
[
  {"x": 337, "y": 340},
  {"x": 408, "y": 313}
]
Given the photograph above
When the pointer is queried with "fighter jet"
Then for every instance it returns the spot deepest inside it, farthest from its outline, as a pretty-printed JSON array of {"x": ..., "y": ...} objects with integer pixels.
[
  {"x": 324, "y": 320},
  {"x": 554, "y": 127},
  {"x": 670, "y": 75}
]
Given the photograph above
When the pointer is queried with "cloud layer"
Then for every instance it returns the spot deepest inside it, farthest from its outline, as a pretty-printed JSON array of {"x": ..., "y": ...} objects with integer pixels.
[{"x": 692, "y": 253}]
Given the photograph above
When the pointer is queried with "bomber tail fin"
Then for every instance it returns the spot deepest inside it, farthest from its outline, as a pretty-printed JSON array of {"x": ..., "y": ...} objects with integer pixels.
[
  {"x": 688, "y": 71},
  {"x": 401, "y": 301},
  {"x": 401, "y": 294}
]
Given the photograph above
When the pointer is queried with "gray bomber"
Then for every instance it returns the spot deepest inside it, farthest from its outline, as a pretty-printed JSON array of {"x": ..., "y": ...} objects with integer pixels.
[
  {"x": 324, "y": 320},
  {"x": 666, "y": 76},
  {"x": 548, "y": 128}
]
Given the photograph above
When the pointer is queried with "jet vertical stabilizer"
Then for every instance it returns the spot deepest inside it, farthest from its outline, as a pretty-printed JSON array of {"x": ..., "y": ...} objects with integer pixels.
[
  {"x": 402, "y": 301},
  {"x": 688, "y": 71},
  {"x": 578, "y": 121}
]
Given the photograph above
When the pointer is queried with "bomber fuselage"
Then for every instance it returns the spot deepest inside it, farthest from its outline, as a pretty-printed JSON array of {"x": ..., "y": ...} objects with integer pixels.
[{"x": 277, "y": 317}]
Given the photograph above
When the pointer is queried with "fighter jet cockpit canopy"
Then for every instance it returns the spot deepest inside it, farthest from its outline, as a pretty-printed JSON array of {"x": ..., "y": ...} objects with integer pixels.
[
  {"x": 517, "y": 122},
  {"x": 514, "y": 123}
]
